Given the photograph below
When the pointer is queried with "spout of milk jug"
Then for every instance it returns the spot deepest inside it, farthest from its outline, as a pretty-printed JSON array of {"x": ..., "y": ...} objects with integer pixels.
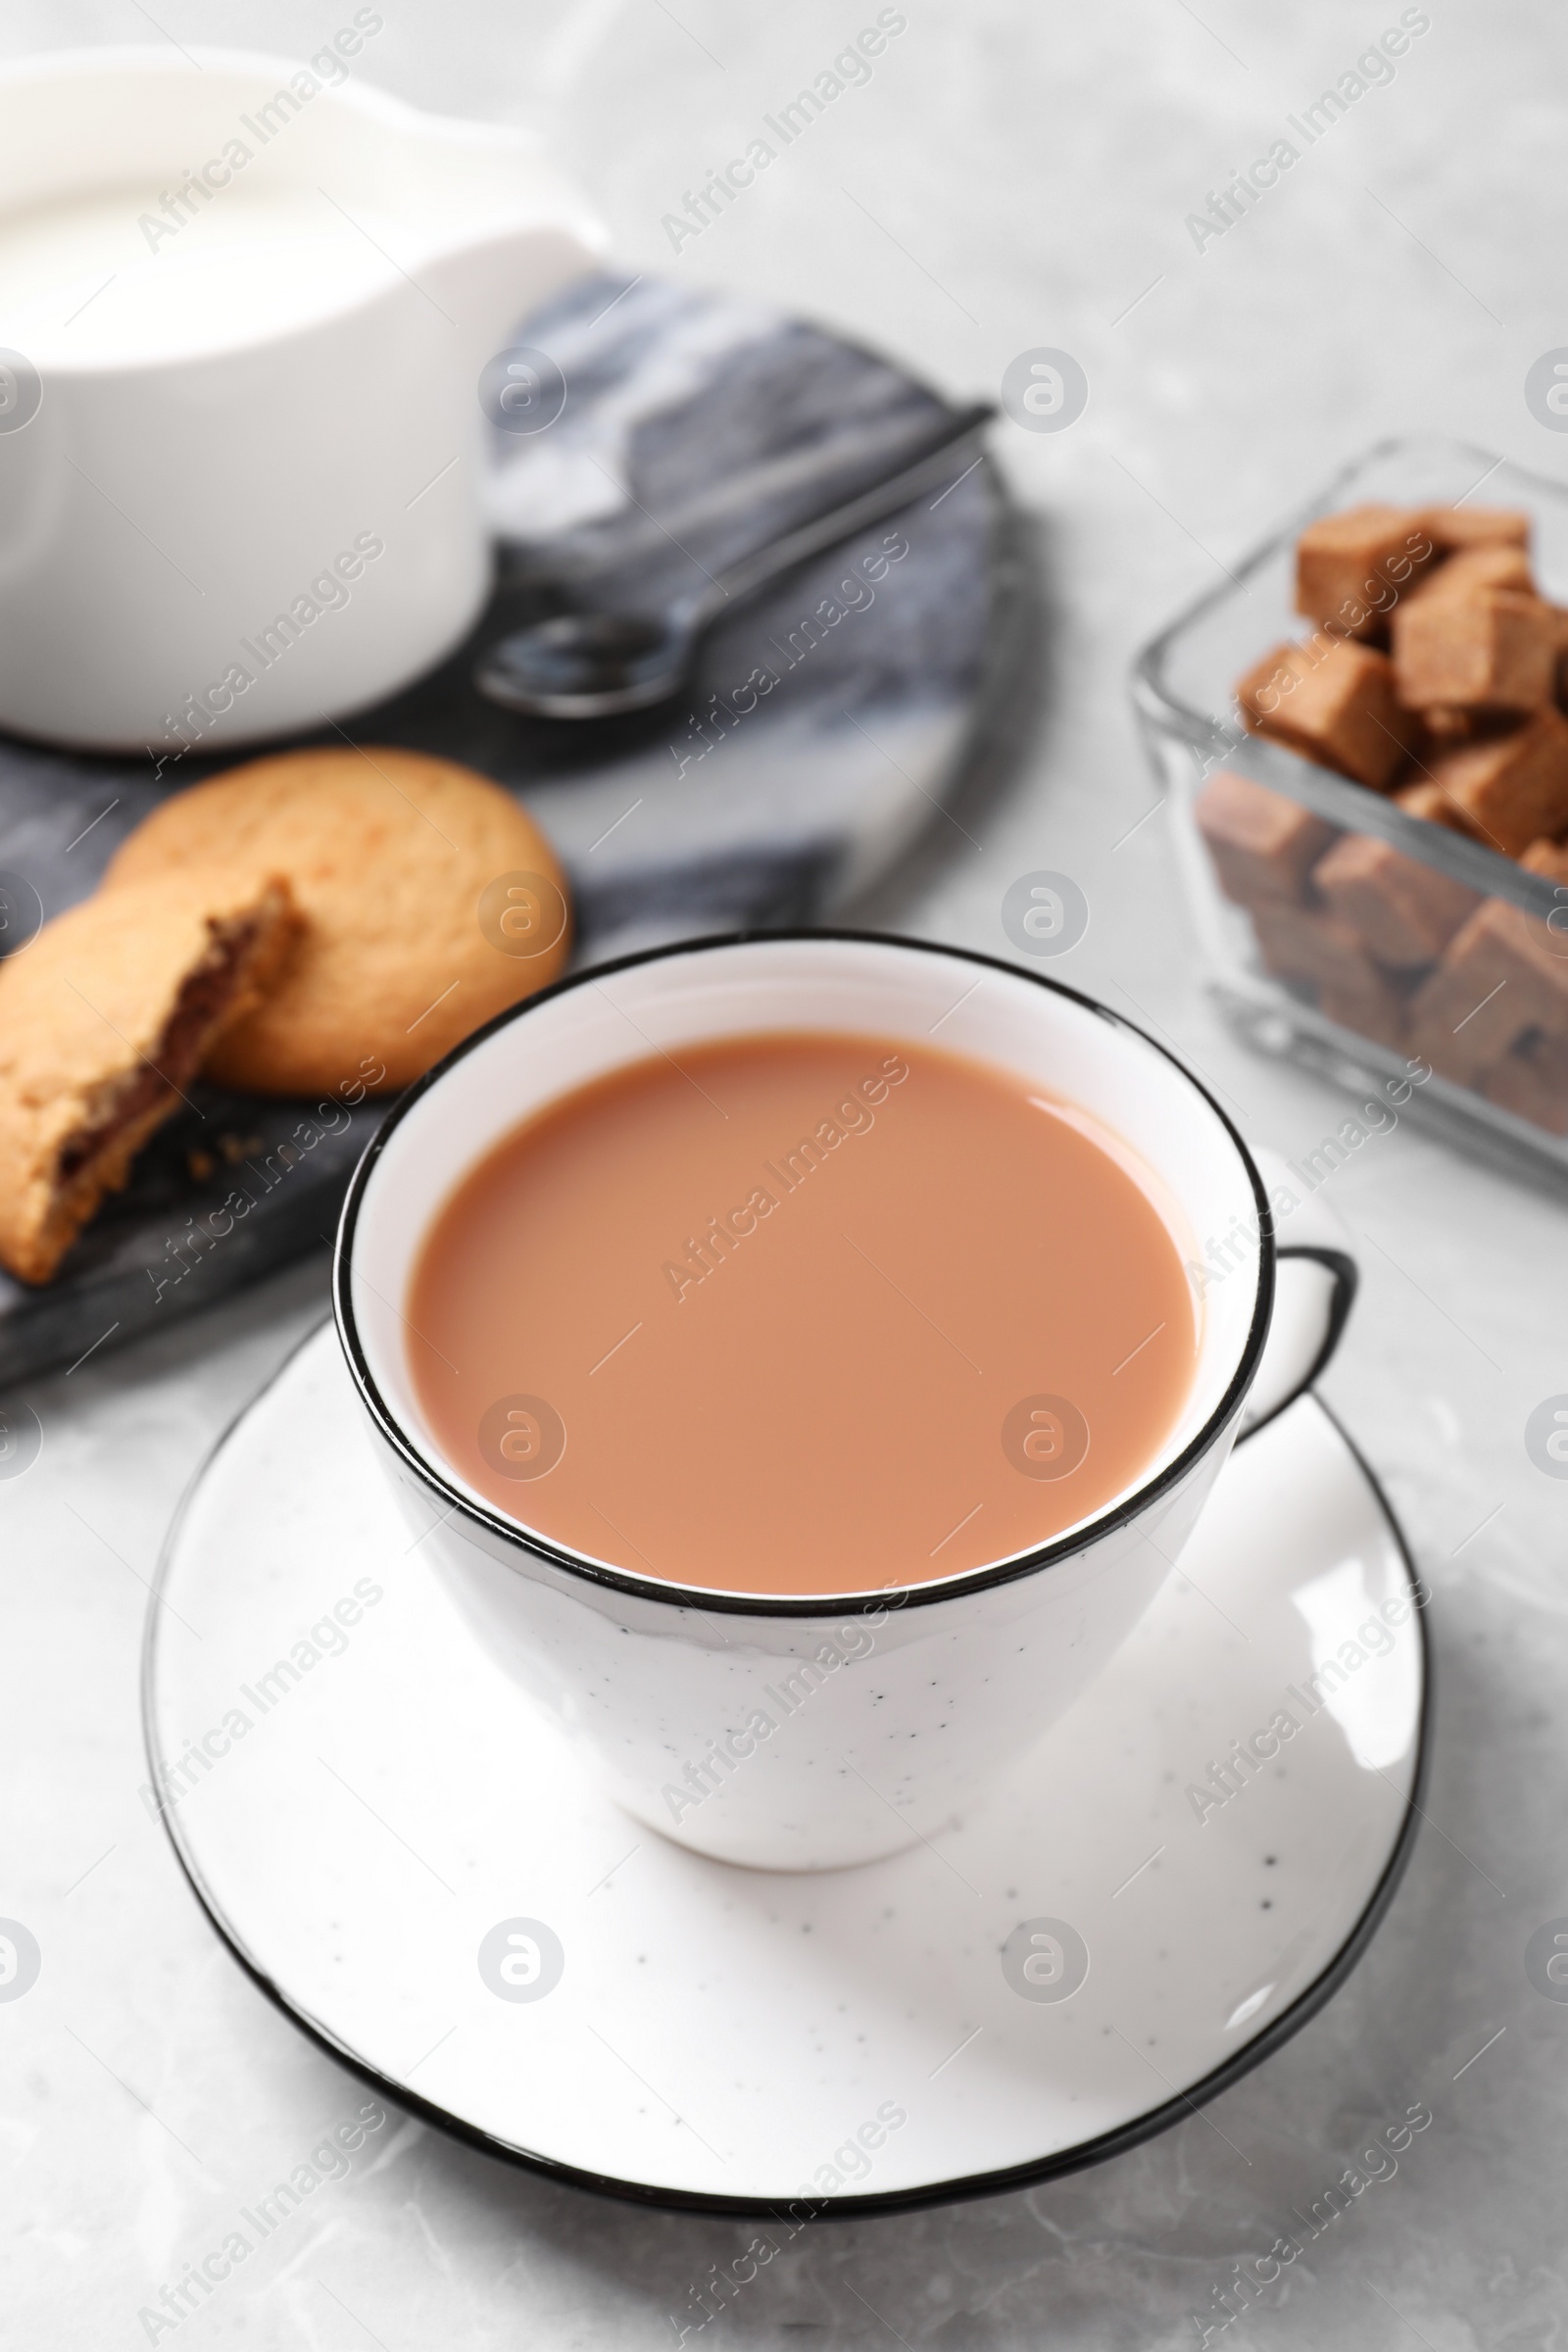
[{"x": 510, "y": 231}]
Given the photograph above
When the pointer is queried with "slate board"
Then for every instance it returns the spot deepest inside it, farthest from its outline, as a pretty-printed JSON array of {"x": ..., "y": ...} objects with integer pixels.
[{"x": 695, "y": 428}]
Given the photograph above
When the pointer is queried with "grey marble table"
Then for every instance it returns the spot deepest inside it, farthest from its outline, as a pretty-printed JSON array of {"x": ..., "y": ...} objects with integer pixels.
[{"x": 1007, "y": 179}]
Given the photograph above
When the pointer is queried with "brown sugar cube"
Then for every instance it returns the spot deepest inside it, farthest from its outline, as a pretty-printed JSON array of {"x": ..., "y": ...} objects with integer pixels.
[
  {"x": 1559, "y": 622},
  {"x": 1333, "y": 701},
  {"x": 1263, "y": 845},
  {"x": 1378, "y": 1013},
  {"x": 1298, "y": 943},
  {"x": 1446, "y": 724},
  {"x": 1548, "y": 858},
  {"x": 1543, "y": 953},
  {"x": 1482, "y": 647},
  {"x": 1429, "y": 800},
  {"x": 1497, "y": 564},
  {"x": 1500, "y": 977},
  {"x": 1455, "y": 527},
  {"x": 1351, "y": 568},
  {"x": 1406, "y": 913},
  {"x": 1533, "y": 1083},
  {"x": 1514, "y": 788}
]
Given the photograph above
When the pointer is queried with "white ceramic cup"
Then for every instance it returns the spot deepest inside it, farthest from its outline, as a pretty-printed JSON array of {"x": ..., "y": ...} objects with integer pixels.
[
  {"x": 891, "y": 1709},
  {"x": 245, "y": 306}
]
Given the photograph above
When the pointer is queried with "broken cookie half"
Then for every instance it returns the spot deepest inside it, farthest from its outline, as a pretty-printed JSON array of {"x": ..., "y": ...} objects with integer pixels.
[{"x": 104, "y": 1021}]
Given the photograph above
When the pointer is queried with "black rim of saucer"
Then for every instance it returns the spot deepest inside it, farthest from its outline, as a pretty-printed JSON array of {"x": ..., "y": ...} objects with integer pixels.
[
  {"x": 798, "y": 2211},
  {"x": 455, "y": 1501}
]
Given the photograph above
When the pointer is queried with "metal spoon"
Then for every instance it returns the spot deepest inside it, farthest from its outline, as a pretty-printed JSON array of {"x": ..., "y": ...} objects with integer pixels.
[{"x": 593, "y": 664}]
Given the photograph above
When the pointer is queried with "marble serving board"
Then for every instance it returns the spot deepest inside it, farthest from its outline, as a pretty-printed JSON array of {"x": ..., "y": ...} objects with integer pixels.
[{"x": 695, "y": 427}]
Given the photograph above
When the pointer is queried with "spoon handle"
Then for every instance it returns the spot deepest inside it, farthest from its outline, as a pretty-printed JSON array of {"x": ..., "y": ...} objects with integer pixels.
[{"x": 842, "y": 523}]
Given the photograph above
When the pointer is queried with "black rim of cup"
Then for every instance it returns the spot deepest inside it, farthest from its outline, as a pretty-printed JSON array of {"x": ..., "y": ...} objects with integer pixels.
[{"x": 513, "y": 1531}]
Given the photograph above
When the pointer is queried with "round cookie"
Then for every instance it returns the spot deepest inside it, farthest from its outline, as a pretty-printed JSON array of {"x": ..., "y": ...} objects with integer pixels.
[{"x": 430, "y": 900}]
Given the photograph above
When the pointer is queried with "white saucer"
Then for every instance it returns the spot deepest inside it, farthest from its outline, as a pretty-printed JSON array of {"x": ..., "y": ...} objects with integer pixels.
[{"x": 734, "y": 2039}]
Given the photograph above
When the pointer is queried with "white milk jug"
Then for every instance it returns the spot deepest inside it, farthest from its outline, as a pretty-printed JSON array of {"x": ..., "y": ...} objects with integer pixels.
[{"x": 245, "y": 306}]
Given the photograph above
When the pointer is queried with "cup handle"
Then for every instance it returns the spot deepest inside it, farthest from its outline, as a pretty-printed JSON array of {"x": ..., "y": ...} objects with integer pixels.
[{"x": 1314, "y": 1289}]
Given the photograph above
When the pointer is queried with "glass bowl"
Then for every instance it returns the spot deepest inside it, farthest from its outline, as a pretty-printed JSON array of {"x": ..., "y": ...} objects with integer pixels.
[{"x": 1376, "y": 1003}]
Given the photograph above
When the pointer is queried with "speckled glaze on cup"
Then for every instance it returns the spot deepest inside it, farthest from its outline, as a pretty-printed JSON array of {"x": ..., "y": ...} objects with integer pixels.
[{"x": 885, "y": 1712}]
